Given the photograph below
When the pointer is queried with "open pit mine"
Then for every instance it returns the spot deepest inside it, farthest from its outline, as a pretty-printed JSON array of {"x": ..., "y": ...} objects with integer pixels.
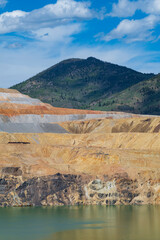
[{"x": 52, "y": 156}]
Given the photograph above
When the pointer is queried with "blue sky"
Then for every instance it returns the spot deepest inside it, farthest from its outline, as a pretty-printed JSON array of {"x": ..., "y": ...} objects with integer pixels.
[{"x": 37, "y": 34}]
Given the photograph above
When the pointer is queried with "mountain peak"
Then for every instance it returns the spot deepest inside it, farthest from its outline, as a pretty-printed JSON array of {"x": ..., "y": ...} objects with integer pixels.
[
  {"x": 93, "y": 59},
  {"x": 80, "y": 83}
]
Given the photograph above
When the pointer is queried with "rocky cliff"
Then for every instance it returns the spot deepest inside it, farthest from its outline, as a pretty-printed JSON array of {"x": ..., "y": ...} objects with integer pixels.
[{"x": 52, "y": 156}]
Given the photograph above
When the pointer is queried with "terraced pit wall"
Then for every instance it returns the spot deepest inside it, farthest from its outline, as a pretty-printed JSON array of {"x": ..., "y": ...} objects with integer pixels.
[
  {"x": 59, "y": 169},
  {"x": 48, "y": 158}
]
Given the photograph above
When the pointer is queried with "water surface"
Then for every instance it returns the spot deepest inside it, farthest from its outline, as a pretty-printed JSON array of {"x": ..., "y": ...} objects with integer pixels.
[{"x": 77, "y": 223}]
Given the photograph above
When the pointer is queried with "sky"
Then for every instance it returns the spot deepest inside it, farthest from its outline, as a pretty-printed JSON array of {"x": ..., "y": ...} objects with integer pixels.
[{"x": 36, "y": 34}]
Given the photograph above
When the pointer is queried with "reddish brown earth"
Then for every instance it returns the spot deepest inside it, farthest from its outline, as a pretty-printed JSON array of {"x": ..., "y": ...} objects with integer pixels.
[{"x": 11, "y": 109}]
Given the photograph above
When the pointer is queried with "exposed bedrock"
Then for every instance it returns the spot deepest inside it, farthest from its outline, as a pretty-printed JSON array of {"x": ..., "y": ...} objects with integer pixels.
[{"x": 67, "y": 189}]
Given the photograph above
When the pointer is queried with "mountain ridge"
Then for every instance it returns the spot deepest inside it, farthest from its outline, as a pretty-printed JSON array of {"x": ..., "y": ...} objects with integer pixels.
[{"x": 81, "y": 83}]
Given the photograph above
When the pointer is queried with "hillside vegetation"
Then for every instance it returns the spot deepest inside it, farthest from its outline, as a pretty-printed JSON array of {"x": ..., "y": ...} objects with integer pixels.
[
  {"x": 87, "y": 84},
  {"x": 143, "y": 97}
]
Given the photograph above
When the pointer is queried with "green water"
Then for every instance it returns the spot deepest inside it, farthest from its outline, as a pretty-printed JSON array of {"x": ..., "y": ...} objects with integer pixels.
[{"x": 81, "y": 223}]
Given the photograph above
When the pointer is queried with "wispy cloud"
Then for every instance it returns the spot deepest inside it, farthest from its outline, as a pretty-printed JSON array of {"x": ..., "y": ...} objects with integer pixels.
[
  {"x": 127, "y": 8},
  {"x": 3, "y": 3},
  {"x": 20, "y": 59},
  {"x": 124, "y": 8},
  {"x": 58, "y": 33}
]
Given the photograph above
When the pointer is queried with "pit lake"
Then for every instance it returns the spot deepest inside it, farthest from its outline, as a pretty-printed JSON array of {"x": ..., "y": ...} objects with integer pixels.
[{"x": 81, "y": 223}]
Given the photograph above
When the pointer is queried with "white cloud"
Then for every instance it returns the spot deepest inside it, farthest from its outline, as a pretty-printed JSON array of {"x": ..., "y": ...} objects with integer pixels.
[
  {"x": 134, "y": 30},
  {"x": 49, "y": 16},
  {"x": 3, "y": 3},
  {"x": 151, "y": 6},
  {"x": 124, "y": 8},
  {"x": 127, "y": 8},
  {"x": 58, "y": 33}
]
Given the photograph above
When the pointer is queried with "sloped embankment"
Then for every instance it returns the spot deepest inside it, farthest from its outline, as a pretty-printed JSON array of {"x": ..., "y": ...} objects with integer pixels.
[{"x": 136, "y": 124}]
